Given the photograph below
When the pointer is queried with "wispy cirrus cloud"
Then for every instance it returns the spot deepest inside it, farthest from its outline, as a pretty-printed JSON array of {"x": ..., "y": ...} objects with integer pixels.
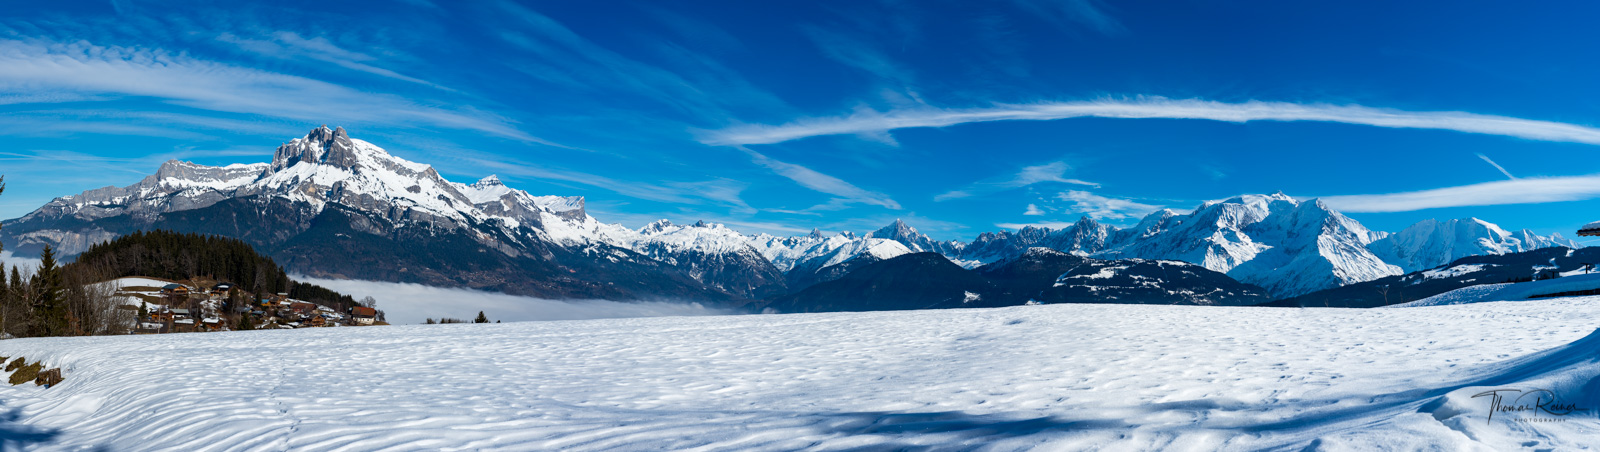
[
  {"x": 1074, "y": 12},
  {"x": 562, "y": 56},
  {"x": 85, "y": 69},
  {"x": 725, "y": 191},
  {"x": 1516, "y": 191},
  {"x": 1496, "y": 166},
  {"x": 1101, "y": 207},
  {"x": 866, "y": 122},
  {"x": 845, "y": 192},
  {"x": 1049, "y": 172},
  {"x": 288, "y": 45}
]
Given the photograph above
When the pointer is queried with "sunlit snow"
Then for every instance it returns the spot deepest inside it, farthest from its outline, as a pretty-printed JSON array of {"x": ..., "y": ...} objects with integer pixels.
[{"x": 1055, "y": 376}]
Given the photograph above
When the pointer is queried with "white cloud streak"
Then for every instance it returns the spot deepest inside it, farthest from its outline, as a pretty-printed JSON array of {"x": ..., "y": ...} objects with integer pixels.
[
  {"x": 868, "y": 122},
  {"x": 1516, "y": 191},
  {"x": 82, "y": 68},
  {"x": 726, "y": 191},
  {"x": 404, "y": 303},
  {"x": 1049, "y": 172},
  {"x": 846, "y": 192},
  {"x": 1497, "y": 166},
  {"x": 1101, "y": 207},
  {"x": 288, "y": 45}
]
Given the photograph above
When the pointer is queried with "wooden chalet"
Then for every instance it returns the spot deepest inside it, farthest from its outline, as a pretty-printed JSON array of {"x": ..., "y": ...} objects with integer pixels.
[
  {"x": 1591, "y": 229},
  {"x": 175, "y": 290},
  {"x": 221, "y": 289}
]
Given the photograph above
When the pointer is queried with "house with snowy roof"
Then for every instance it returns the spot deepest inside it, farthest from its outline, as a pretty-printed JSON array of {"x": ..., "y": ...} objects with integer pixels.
[{"x": 1591, "y": 229}]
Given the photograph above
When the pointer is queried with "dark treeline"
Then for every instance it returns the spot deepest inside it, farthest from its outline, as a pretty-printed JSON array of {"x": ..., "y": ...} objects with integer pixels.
[
  {"x": 174, "y": 256},
  {"x": 171, "y": 255}
]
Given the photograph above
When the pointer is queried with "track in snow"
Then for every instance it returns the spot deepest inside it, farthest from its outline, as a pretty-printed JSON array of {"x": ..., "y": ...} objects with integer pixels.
[{"x": 1063, "y": 376}]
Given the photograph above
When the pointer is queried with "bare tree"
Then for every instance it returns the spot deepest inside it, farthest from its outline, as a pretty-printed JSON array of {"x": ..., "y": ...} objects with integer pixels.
[{"x": 93, "y": 307}]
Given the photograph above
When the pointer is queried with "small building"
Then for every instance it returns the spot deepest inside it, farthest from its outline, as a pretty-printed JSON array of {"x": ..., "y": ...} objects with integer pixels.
[
  {"x": 211, "y": 323},
  {"x": 221, "y": 289},
  {"x": 302, "y": 308},
  {"x": 175, "y": 290},
  {"x": 150, "y": 328},
  {"x": 180, "y": 313},
  {"x": 1591, "y": 229},
  {"x": 158, "y": 313},
  {"x": 362, "y": 315},
  {"x": 183, "y": 325}
]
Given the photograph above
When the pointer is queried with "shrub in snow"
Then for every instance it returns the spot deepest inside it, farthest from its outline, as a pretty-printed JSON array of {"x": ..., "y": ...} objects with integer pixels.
[{"x": 26, "y": 373}]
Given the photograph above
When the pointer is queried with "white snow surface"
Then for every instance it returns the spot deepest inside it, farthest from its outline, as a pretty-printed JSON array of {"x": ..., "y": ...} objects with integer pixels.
[
  {"x": 1509, "y": 292},
  {"x": 1058, "y": 377},
  {"x": 1454, "y": 271}
]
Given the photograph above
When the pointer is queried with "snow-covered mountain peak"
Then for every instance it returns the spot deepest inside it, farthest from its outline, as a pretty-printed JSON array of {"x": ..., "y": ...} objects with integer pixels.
[
  {"x": 1431, "y": 243},
  {"x": 656, "y": 227},
  {"x": 491, "y": 181}
]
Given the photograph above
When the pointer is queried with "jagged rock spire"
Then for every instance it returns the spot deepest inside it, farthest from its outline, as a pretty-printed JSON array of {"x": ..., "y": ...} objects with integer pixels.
[{"x": 321, "y": 145}]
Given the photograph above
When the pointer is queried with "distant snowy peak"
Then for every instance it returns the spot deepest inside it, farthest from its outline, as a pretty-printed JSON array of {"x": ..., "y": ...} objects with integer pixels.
[
  {"x": 1431, "y": 243},
  {"x": 1274, "y": 241},
  {"x": 915, "y": 241}
]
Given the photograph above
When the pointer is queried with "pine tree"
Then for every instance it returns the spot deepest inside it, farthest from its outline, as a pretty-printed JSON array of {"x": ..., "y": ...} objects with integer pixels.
[
  {"x": 481, "y": 318},
  {"x": 49, "y": 309}
]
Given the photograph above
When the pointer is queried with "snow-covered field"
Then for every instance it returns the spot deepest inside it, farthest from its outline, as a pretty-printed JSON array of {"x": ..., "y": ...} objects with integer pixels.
[{"x": 1055, "y": 377}]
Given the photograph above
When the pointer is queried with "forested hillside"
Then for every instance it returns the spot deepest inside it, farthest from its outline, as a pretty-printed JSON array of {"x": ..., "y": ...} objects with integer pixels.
[{"x": 171, "y": 255}]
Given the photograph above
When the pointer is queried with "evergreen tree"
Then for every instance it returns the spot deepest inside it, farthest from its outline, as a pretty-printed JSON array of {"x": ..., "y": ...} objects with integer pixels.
[
  {"x": 481, "y": 318},
  {"x": 49, "y": 307}
]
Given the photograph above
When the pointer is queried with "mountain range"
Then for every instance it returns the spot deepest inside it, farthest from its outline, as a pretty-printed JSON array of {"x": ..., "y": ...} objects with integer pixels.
[{"x": 329, "y": 205}]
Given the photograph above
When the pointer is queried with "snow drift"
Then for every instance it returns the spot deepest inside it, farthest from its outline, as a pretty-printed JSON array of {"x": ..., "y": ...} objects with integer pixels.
[{"x": 1054, "y": 376}]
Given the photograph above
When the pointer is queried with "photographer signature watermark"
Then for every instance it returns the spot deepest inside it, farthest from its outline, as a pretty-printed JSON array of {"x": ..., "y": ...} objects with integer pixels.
[{"x": 1530, "y": 405}]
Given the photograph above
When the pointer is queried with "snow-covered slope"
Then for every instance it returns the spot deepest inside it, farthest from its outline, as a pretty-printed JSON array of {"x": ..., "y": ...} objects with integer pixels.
[
  {"x": 1054, "y": 377},
  {"x": 1431, "y": 243},
  {"x": 1522, "y": 291}
]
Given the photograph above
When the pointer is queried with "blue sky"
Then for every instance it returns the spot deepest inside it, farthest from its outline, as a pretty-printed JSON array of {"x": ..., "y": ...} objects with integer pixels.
[{"x": 960, "y": 117}]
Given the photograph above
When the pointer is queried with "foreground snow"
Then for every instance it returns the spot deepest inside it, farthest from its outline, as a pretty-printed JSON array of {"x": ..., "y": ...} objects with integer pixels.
[{"x": 1059, "y": 376}]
